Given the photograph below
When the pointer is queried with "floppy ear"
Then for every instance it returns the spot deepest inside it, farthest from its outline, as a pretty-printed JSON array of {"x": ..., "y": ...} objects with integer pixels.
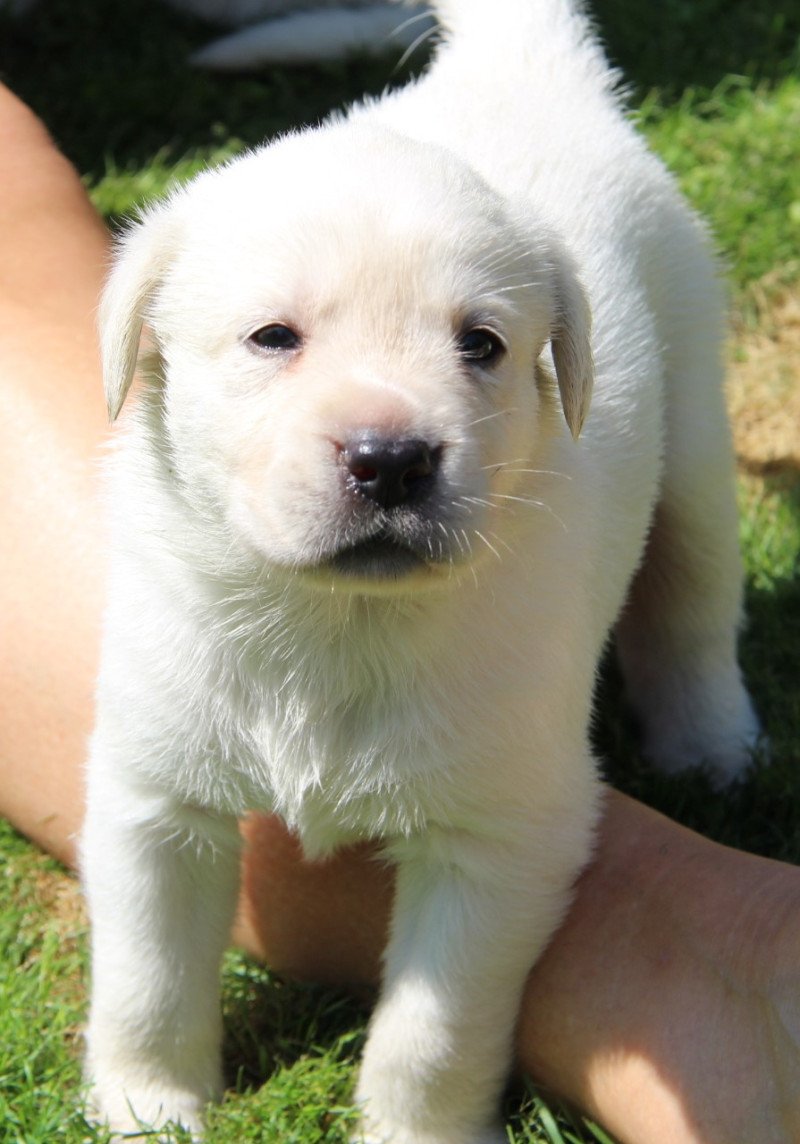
[
  {"x": 570, "y": 343},
  {"x": 142, "y": 258}
]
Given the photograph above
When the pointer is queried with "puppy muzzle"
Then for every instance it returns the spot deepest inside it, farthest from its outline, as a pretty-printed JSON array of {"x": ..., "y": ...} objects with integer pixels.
[{"x": 395, "y": 521}]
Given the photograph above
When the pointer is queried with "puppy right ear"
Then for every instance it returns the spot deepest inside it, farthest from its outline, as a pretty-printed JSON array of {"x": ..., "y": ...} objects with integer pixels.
[
  {"x": 142, "y": 258},
  {"x": 570, "y": 340}
]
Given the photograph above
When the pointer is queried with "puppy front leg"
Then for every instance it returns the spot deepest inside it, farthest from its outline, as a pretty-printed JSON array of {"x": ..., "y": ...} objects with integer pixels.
[
  {"x": 161, "y": 885},
  {"x": 470, "y": 919}
]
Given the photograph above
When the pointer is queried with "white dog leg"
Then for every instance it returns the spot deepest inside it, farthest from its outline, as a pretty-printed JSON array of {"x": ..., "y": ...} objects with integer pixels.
[
  {"x": 470, "y": 919},
  {"x": 161, "y": 895},
  {"x": 677, "y": 636}
]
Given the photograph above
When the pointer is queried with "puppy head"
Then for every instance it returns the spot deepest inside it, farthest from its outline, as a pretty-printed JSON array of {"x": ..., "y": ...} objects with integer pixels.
[{"x": 350, "y": 326}]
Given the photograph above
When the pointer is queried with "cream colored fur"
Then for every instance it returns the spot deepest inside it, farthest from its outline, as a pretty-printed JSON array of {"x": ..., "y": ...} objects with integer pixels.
[{"x": 440, "y": 704}]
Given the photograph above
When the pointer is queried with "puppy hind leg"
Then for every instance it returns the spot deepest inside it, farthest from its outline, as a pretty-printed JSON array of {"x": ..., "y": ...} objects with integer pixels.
[{"x": 677, "y": 636}]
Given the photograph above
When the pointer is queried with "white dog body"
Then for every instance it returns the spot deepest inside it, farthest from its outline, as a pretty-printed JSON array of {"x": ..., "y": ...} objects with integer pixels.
[{"x": 362, "y": 573}]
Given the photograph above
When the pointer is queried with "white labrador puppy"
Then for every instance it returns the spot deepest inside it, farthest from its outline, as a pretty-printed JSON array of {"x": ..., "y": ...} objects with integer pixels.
[{"x": 365, "y": 559}]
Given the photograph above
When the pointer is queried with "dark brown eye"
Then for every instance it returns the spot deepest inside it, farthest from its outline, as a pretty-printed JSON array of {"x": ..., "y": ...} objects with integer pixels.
[
  {"x": 481, "y": 346},
  {"x": 275, "y": 337}
]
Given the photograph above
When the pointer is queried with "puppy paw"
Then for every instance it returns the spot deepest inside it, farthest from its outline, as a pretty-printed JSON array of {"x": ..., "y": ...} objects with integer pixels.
[
  {"x": 693, "y": 710},
  {"x": 373, "y": 1134},
  {"x": 134, "y": 1111},
  {"x": 723, "y": 743}
]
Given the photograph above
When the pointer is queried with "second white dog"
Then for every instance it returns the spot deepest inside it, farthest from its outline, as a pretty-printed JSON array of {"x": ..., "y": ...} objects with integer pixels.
[
  {"x": 285, "y": 32},
  {"x": 366, "y": 554}
]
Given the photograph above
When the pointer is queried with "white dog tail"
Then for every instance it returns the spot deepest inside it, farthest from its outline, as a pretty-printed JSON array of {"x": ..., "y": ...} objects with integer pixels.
[
  {"x": 529, "y": 31},
  {"x": 507, "y": 18}
]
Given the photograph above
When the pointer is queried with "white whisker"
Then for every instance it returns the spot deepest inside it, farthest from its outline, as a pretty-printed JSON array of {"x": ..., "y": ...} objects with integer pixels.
[
  {"x": 531, "y": 503},
  {"x": 490, "y": 416},
  {"x": 457, "y": 539},
  {"x": 497, "y": 465},
  {"x": 541, "y": 473},
  {"x": 427, "y": 34},
  {"x": 516, "y": 286},
  {"x": 467, "y": 501},
  {"x": 417, "y": 18},
  {"x": 489, "y": 545},
  {"x": 502, "y": 542}
]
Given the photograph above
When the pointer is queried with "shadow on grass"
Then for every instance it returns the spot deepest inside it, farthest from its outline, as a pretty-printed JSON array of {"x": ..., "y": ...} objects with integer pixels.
[
  {"x": 271, "y": 1023},
  {"x": 677, "y": 44}
]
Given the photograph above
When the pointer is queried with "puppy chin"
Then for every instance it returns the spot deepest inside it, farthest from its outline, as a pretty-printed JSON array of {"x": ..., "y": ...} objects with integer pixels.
[
  {"x": 378, "y": 566},
  {"x": 377, "y": 558},
  {"x": 367, "y": 557}
]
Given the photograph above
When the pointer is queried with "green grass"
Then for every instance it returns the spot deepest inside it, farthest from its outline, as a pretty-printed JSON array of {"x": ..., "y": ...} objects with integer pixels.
[
  {"x": 715, "y": 87},
  {"x": 735, "y": 150},
  {"x": 42, "y": 1004}
]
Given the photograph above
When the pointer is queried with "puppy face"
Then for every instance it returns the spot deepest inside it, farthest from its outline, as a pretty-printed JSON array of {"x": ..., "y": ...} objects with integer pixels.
[{"x": 350, "y": 326}]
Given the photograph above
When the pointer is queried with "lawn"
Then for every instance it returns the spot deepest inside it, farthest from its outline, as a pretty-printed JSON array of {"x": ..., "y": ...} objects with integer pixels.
[{"x": 714, "y": 85}]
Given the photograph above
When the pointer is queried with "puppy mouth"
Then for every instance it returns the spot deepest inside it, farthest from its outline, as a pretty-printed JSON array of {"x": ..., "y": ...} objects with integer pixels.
[{"x": 378, "y": 557}]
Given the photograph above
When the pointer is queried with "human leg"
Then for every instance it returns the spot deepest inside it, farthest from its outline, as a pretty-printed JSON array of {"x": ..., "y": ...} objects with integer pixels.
[
  {"x": 667, "y": 1005},
  {"x": 52, "y": 423}
]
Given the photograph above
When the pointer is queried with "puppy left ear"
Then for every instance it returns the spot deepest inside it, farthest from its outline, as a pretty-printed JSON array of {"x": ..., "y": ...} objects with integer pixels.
[
  {"x": 570, "y": 341},
  {"x": 143, "y": 257}
]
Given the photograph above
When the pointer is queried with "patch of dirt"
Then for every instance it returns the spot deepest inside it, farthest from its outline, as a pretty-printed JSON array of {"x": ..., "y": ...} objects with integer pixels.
[
  {"x": 764, "y": 390},
  {"x": 60, "y": 895},
  {"x": 61, "y": 910}
]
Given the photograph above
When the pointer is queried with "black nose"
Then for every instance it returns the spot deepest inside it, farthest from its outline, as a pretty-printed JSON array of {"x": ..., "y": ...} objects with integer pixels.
[{"x": 391, "y": 471}]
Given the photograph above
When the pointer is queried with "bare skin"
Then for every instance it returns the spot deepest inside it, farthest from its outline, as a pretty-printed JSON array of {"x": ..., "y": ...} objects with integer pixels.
[{"x": 667, "y": 1006}]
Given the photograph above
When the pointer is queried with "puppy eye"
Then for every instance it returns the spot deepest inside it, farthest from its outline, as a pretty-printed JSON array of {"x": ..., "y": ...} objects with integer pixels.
[
  {"x": 480, "y": 345},
  {"x": 275, "y": 337}
]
